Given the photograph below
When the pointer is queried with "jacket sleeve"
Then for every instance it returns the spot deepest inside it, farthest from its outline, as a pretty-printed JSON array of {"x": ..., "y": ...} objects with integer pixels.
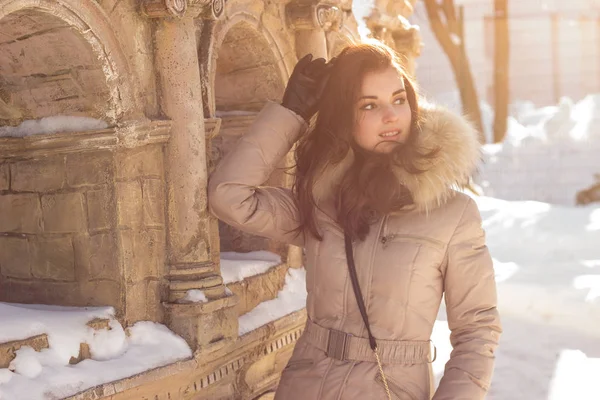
[
  {"x": 235, "y": 191},
  {"x": 470, "y": 293}
]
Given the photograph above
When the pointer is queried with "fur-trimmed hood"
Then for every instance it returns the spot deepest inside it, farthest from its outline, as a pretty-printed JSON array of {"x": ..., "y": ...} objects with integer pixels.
[{"x": 458, "y": 156}]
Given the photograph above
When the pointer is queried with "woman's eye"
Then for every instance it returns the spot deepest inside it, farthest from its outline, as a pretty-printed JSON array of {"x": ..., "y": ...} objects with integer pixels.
[
  {"x": 400, "y": 100},
  {"x": 368, "y": 106}
]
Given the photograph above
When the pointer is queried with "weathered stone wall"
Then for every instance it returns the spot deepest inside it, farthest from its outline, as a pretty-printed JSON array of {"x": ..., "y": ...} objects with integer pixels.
[
  {"x": 85, "y": 228},
  {"x": 57, "y": 231}
]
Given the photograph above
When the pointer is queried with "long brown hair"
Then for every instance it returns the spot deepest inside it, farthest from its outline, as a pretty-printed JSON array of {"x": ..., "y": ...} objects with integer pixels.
[{"x": 369, "y": 188}]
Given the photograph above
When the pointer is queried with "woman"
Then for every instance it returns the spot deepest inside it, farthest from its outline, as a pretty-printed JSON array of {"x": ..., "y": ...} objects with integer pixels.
[{"x": 374, "y": 207}]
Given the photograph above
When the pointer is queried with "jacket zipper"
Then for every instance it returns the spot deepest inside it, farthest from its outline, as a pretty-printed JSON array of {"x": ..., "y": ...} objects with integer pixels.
[{"x": 386, "y": 238}]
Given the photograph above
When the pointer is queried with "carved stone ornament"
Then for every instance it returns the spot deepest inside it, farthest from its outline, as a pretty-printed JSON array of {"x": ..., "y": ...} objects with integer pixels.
[
  {"x": 396, "y": 31},
  {"x": 310, "y": 16},
  {"x": 208, "y": 9},
  {"x": 164, "y": 8}
]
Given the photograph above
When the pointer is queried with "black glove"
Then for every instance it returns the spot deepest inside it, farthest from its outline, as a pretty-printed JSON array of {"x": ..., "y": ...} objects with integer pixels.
[{"x": 306, "y": 85}]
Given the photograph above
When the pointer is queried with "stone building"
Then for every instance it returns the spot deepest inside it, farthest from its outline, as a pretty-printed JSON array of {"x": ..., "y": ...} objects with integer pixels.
[{"x": 118, "y": 215}]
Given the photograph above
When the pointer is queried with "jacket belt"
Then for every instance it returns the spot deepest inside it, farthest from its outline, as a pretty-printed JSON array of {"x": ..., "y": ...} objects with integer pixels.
[{"x": 346, "y": 347}]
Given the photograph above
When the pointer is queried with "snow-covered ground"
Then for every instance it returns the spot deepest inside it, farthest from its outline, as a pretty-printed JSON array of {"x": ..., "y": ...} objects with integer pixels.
[{"x": 549, "y": 154}]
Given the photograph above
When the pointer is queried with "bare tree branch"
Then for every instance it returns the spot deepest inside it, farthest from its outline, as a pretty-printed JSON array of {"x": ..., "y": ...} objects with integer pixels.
[{"x": 455, "y": 50}]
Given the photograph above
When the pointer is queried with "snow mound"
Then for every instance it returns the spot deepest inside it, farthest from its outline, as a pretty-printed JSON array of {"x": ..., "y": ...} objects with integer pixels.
[
  {"x": 549, "y": 153},
  {"x": 115, "y": 355}
]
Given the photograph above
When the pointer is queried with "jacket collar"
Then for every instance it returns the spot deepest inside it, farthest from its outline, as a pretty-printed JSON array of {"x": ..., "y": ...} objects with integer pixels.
[{"x": 450, "y": 169}]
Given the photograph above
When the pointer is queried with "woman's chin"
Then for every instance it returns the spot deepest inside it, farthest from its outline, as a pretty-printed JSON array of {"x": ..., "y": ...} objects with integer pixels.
[{"x": 386, "y": 147}]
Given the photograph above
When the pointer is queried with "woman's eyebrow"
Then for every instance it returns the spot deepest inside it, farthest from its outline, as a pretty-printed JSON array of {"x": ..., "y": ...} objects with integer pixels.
[{"x": 370, "y": 97}]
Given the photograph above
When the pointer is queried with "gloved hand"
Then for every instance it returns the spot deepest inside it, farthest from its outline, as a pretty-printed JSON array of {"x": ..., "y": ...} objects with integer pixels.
[{"x": 306, "y": 85}]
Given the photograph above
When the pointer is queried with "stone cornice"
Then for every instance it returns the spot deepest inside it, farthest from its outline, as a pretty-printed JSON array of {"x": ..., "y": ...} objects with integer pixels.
[
  {"x": 323, "y": 15},
  {"x": 127, "y": 136},
  {"x": 207, "y": 9}
]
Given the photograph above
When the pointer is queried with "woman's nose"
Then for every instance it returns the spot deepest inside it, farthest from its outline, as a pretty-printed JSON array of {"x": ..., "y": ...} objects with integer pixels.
[{"x": 390, "y": 114}]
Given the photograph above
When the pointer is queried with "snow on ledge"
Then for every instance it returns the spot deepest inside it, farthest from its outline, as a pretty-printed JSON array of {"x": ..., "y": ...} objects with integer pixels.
[
  {"x": 27, "y": 320},
  {"x": 194, "y": 296},
  {"x": 115, "y": 355},
  {"x": 54, "y": 124},
  {"x": 291, "y": 298},
  {"x": 237, "y": 266}
]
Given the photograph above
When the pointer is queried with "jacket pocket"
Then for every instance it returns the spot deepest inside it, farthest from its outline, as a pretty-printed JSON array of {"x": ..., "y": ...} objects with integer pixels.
[
  {"x": 397, "y": 392},
  {"x": 399, "y": 237}
]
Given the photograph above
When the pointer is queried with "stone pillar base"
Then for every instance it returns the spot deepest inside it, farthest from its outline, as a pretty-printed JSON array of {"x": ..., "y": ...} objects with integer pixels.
[{"x": 203, "y": 324}]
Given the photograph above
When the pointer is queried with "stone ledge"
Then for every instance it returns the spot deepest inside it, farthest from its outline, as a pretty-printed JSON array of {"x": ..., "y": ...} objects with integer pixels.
[
  {"x": 256, "y": 289},
  {"x": 128, "y": 136},
  {"x": 192, "y": 378},
  {"x": 193, "y": 309}
]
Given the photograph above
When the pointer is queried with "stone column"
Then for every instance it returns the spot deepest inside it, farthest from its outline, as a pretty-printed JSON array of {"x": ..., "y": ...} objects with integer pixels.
[
  {"x": 193, "y": 237},
  {"x": 309, "y": 22}
]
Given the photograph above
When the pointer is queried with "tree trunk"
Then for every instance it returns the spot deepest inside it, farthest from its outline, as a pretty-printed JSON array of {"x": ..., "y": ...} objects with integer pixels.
[
  {"x": 501, "y": 69},
  {"x": 450, "y": 37}
]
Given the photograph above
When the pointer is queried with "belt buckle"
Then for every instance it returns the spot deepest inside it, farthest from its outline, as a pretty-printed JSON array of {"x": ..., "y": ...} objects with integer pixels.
[
  {"x": 337, "y": 344},
  {"x": 432, "y": 359}
]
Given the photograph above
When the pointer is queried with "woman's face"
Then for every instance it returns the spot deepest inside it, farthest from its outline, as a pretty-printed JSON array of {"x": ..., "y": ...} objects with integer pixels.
[{"x": 382, "y": 110}]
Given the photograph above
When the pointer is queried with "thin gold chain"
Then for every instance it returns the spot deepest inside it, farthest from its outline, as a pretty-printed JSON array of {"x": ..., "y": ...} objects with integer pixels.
[{"x": 387, "y": 389}]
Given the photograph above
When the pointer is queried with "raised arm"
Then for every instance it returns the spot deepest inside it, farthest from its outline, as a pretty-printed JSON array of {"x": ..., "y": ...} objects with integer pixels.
[
  {"x": 470, "y": 293},
  {"x": 235, "y": 191}
]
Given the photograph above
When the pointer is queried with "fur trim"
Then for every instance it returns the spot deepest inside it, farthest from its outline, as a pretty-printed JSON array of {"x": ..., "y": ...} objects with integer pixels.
[{"x": 451, "y": 167}]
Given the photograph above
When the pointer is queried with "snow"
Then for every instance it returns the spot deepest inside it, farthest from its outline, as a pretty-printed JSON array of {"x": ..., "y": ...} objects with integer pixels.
[
  {"x": 195, "y": 296},
  {"x": 237, "y": 266},
  {"x": 54, "y": 124},
  {"x": 291, "y": 298},
  {"x": 115, "y": 355},
  {"x": 27, "y": 320}
]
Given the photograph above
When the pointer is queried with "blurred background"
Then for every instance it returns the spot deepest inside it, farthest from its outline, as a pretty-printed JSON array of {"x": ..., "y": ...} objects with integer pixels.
[{"x": 527, "y": 73}]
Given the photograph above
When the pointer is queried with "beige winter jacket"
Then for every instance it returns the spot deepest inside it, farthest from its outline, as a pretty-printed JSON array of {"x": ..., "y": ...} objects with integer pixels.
[{"x": 409, "y": 259}]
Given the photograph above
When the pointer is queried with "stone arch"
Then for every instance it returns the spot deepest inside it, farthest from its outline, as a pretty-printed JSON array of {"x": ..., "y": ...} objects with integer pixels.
[
  {"x": 62, "y": 57},
  {"x": 264, "y": 64}
]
